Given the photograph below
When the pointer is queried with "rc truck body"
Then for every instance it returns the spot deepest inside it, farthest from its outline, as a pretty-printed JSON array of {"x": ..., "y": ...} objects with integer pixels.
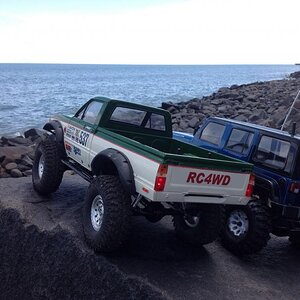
[
  {"x": 127, "y": 153},
  {"x": 276, "y": 158}
]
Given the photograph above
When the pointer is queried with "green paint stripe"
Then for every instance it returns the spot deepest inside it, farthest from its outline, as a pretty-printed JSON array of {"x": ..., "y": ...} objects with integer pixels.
[{"x": 212, "y": 164}]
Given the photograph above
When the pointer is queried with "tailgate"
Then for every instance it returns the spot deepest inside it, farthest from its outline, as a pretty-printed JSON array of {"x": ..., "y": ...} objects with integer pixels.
[{"x": 206, "y": 182}]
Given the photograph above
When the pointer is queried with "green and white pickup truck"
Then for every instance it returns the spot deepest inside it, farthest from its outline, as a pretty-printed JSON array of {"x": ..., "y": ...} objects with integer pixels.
[{"x": 134, "y": 167}]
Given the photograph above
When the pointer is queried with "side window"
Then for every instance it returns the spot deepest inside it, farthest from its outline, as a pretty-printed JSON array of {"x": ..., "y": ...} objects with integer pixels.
[
  {"x": 128, "y": 115},
  {"x": 90, "y": 114},
  {"x": 239, "y": 141},
  {"x": 79, "y": 114},
  {"x": 272, "y": 152},
  {"x": 156, "y": 122},
  {"x": 212, "y": 133}
]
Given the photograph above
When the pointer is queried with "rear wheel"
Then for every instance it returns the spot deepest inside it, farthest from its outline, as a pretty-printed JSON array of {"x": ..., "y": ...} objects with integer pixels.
[
  {"x": 295, "y": 240},
  {"x": 47, "y": 169},
  {"x": 247, "y": 228},
  {"x": 201, "y": 228},
  {"x": 106, "y": 214}
]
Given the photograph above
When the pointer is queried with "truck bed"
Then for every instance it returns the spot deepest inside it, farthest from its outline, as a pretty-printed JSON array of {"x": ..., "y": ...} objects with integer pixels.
[{"x": 174, "y": 152}]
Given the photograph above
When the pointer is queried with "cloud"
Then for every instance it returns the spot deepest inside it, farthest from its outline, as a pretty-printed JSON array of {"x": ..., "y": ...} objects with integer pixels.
[{"x": 189, "y": 32}]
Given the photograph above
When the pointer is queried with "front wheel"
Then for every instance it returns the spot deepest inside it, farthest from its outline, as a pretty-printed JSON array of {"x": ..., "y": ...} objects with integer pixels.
[
  {"x": 106, "y": 214},
  {"x": 201, "y": 228},
  {"x": 247, "y": 228},
  {"x": 47, "y": 169}
]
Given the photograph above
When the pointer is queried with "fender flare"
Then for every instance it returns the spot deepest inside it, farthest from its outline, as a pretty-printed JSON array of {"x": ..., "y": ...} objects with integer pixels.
[
  {"x": 56, "y": 129},
  {"x": 121, "y": 164}
]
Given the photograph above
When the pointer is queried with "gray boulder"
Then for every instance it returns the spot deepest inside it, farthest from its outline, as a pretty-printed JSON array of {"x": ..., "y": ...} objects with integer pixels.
[
  {"x": 13, "y": 153},
  {"x": 16, "y": 173},
  {"x": 10, "y": 166},
  {"x": 193, "y": 122}
]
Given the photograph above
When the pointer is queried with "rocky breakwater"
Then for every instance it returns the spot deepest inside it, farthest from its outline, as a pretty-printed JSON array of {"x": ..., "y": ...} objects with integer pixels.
[
  {"x": 263, "y": 103},
  {"x": 17, "y": 153}
]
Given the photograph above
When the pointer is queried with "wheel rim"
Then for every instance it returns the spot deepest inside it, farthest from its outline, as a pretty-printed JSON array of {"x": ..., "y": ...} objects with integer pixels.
[
  {"x": 41, "y": 166},
  {"x": 97, "y": 212},
  {"x": 191, "y": 221},
  {"x": 238, "y": 223}
]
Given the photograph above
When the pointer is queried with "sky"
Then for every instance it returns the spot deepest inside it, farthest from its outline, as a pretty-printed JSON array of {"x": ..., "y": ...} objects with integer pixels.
[{"x": 150, "y": 31}]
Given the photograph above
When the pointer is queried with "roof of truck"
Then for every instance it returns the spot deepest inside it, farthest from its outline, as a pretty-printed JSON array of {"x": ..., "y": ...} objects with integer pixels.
[
  {"x": 128, "y": 103},
  {"x": 258, "y": 127}
]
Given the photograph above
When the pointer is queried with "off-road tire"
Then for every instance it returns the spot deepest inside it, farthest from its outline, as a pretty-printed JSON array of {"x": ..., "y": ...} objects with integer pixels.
[
  {"x": 207, "y": 230},
  {"x": 116, "y": 219},
  {"x": 53, "y": 169},
  {"x": 256, "y": 236},
  {"x": 295, "y": 240}
]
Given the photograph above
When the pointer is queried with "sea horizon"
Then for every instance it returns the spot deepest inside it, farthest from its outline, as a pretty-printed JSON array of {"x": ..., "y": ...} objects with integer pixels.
[
  {"x": 32, "y": 92},
  {"x": 145, "y": 64}
]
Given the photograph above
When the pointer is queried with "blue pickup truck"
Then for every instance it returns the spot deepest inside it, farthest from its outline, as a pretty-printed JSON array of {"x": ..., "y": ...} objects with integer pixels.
[{"x": 276, "y": 158}]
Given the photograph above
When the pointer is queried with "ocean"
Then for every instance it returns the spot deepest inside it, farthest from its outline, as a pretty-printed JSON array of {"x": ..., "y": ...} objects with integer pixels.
[{"x": 31, "y": 93}]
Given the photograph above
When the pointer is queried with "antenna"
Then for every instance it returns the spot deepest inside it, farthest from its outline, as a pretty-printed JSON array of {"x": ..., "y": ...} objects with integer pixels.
[{"x": 290, "y": 110}]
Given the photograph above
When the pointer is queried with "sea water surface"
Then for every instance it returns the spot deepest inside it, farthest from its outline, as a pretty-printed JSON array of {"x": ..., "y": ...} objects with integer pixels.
[{"x": 31, "y": 93}]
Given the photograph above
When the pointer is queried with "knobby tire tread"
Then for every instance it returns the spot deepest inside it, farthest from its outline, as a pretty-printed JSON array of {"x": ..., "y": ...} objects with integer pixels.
[
  {"x": 117, "y": 214},
  {"x": 295, "y": 240},
  {"x": 259, "y": 231},
  {"x": 53, "y": 168}
]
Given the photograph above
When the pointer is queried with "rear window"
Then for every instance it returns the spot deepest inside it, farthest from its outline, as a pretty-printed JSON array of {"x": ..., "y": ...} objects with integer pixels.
[
  {"x": 272, "y": 152},
  {"x": 156, "y": 122},
  {"x": 138, "y": 117},
  {"x": 212, "y": 133},
  {"x": 239, "y": 141},
  {"x": 128, "y": 115}
]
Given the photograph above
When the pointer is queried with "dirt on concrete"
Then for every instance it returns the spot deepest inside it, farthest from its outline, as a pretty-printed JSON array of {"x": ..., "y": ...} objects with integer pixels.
[{"x": 43, "y": 255}]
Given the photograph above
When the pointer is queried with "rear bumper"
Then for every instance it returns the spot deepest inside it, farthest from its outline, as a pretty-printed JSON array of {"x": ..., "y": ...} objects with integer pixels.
[
  {"x": 193, "y": 198},
  {"x": 286, "y": 212}
]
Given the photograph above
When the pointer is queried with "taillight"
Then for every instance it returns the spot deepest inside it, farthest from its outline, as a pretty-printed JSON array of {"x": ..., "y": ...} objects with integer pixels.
[
  {"x": 295, "y": 187},
  {"x": 250, "y": 186},
  {"x": 161, "y": 177}
]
